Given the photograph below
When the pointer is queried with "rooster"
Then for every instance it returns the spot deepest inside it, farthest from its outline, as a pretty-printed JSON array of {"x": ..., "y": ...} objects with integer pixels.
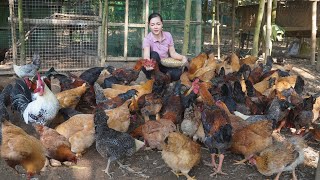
[{"x": 40, "y": 107}]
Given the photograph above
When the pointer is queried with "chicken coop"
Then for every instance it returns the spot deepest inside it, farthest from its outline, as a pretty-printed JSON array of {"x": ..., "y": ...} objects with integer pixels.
[{"x": 68, "y": 33}]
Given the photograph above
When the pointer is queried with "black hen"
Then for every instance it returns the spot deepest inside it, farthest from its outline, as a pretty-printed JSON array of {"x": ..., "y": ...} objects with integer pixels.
[
  {"x": 112, "y": 144},
  {"x": 91, "y": 75},
  {"x": 4, "y": 101},
  {"x": 226, "y": 97},
  {"x": 299, "y": 85}
]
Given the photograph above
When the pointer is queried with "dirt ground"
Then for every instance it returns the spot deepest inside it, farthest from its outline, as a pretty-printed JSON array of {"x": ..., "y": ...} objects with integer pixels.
[{"x": 150, "y": 163}]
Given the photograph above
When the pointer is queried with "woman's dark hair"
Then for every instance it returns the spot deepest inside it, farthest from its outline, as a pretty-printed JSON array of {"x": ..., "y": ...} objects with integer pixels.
[{"x": 153, "y": 15}]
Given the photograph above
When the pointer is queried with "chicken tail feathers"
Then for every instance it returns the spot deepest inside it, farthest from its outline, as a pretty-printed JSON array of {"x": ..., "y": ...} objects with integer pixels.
[
  {"x": 50, "y": 72},
  {"x": 100, "y": 98},
  {"x": 127, "y": 95},
  {"x": 91, "y": 75},
  {"x": 177, "y": 88},
  {"x": 110, "y": 69},
  {"x": 4, "y": 101},
  {"x": 299, "y": 85},
  {"x": 21, "y": 96}
]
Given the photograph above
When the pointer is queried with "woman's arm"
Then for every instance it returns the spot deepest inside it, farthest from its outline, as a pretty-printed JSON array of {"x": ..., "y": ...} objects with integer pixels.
[
  {"x": 176, "y": 55},
  {"x": 146, "y": 52}
]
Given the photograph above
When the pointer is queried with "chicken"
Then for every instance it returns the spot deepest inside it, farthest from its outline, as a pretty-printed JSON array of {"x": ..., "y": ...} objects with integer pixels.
[
  {"x": 150, "y": 104},
  {"x": 191, "y": 124},
  {"x": 57, "y": 146},
  {"x": 230, "y": 64},
  {"x": 172, "y": 108},
  {"x": 142, "y": 89},
  {"x": 237, "y": 123},
  {"x": 197, "y": 63},
  {"x": 40, "y": 107},
  {"x": 79, "y": 130},
  {"x": 286, "y": 82},
  {"x": 119, "y": 118},
  {"x": 4, "y": 101},
  {"x": 218, "y": 133},
  {"x": 279, "y": 157},
  {"x": 123, "y": 75},
  {"x": 113, "y": 144},
  {"x": 301, "y": 116},
  {"x": 28, "y": 70},
  {"x": 316, "y": 107},
  {"x": 251, "y": 139},
  {"x": 154, "y": 132},
  {"x": 181, "y": 154},
  {"x": 250, "y": 60},
  {"x": 19, "y": 148},
  {"x": 70, "y": 98},
  {"x": 105, "y": 103},
  {"x": 207, "y": 71}
]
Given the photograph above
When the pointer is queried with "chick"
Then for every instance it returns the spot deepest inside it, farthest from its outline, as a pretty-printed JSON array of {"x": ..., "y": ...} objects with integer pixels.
[
  {"x": 113, "y": 144},
  {"x": 180, "y": 153},
  {"x": 279, "y": 157}
]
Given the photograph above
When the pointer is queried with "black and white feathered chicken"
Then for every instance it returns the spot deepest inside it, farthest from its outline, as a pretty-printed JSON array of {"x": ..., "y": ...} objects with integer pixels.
[
  {"x": 37, "y": 105},
  {"x": 113, "y": 144},
  {"x": 28, "y": 70}
]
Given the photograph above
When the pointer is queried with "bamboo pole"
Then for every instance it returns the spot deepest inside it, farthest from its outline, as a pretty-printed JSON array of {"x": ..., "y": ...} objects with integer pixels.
[
  {"x": 268, "y": 30},
  {"x": 233, "y": 24},
  {"x": 146, "y": 15},
  {"x": 218, "y": 28},
  {"x": 255, "y": 48},
  {"x": 274, "y": 11},
  {"x": 103, "y": 35},
  {"x": 213, "y": 5},
  {"x": 186, "y": 28},
  {"x": 126, "y": 29},
  {"x": 318, "y": 64},
  {"x": 21, "y": 33},
  {"x": 314, "y": 32},
  {"x": 13, "y": 32},
  {"x": 198, "y": 28}
]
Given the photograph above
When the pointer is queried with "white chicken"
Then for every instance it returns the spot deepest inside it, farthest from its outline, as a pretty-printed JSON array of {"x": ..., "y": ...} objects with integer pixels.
[{"x": 40, "y": 107}]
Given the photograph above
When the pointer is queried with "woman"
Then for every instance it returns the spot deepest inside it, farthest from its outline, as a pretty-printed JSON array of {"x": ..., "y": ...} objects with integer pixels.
[{"x": 159, "y": 44}]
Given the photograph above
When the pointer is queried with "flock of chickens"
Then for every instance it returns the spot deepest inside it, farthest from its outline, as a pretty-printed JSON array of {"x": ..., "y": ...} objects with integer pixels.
[{"x": 235, "y": 105}]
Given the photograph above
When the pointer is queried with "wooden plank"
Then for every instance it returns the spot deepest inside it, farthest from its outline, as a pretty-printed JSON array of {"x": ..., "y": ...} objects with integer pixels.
[{"x": 60, "y": 22}]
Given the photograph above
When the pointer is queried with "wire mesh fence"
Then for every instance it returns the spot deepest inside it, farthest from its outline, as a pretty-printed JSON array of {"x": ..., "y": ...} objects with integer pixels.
[{"x": 64, "y": 33}]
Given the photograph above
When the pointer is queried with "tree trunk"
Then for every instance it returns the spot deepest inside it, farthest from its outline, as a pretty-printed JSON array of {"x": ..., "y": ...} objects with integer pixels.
[
  {"x": 255, "y": 48},
  {"x": 268, "y": 30},
  {"x": 186, "y": 28},
  {"x": 21, "y": 34}
]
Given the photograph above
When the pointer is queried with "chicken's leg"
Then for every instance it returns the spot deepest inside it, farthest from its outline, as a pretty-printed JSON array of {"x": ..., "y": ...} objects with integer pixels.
[
  {"x": 242, "y": 162},
  {"x": 218, "y": 170},
  {"x": 188, "y": 177},
  {"x": 213, "y": 161},
  {"x": 278, "y": 175},
  {"x": 107, "y": 169},
  {"x": 294, "y": 177}
]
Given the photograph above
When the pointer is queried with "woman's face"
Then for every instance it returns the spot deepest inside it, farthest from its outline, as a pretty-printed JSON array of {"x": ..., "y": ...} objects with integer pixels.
[{"x": 155, "y": 25}]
